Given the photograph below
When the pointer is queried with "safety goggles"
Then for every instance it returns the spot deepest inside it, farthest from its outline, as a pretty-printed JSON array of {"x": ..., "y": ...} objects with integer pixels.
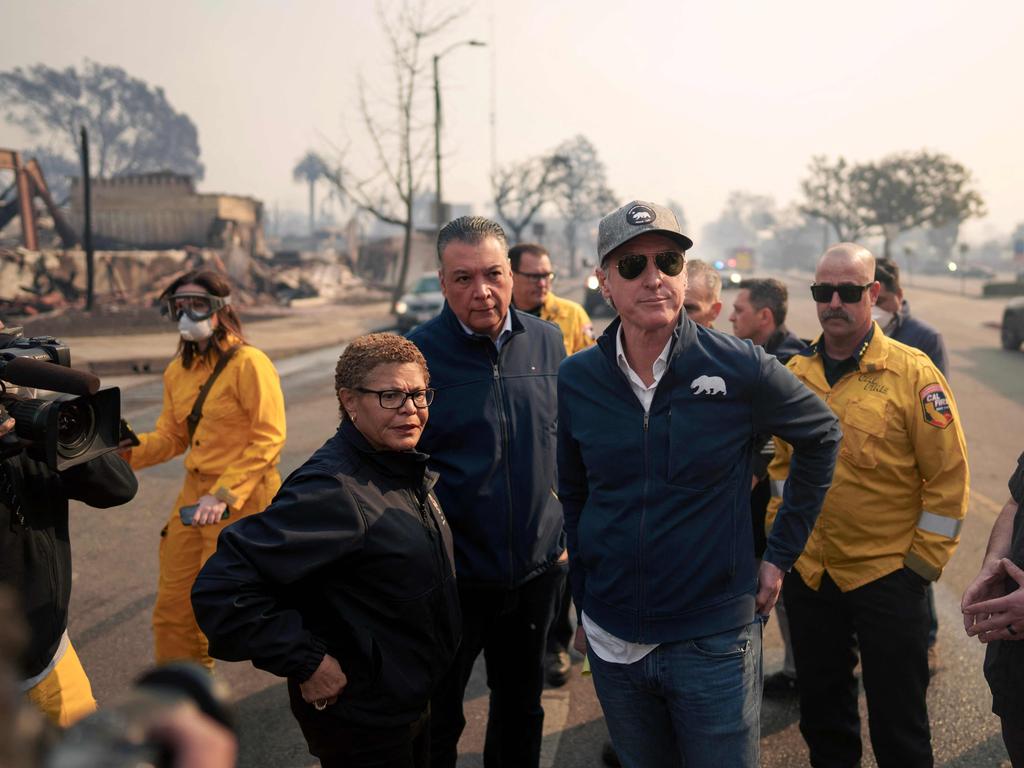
[
  {"x": 538, "y": 277},
  {"x": 632, "y": 265},
  {"x": 848, "y": 293},
  {"x": 197, "y": 305}
]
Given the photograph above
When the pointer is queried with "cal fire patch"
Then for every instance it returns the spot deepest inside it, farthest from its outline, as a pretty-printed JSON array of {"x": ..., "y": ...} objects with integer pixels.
[{"x": 935, "y": 406}]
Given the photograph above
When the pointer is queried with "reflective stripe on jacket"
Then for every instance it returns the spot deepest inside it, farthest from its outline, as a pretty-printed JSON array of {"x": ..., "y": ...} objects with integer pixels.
[
  {"x": 241, "y": 433},
  {"x": 900, "y": 489},
  {"x": 572, "y": 319}
]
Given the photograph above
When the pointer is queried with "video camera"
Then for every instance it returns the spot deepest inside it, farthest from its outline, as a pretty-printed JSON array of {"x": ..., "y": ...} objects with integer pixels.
[
  {"x": 116, "y": 736},
  {"x": 71, "y": 428}
]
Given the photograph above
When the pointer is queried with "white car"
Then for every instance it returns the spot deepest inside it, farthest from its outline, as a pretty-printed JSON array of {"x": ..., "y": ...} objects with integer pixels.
[{"x": 422, "y": 303}]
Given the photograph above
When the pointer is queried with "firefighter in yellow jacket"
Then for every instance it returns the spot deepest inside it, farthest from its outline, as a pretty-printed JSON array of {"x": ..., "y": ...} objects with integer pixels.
[
  {"x": 532, "y": 278},
  {"x": 889, "y": 524},
  {"x": 233, "y": 449}
]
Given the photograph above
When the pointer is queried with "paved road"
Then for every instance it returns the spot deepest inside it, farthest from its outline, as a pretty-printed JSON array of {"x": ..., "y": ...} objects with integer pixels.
[{"x": 115, "y": 567}]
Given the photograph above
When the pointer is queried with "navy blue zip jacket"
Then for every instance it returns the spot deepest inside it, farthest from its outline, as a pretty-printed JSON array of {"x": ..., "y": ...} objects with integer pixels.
[
  {"x": 919, "y": 335},
  {"x": 657, "y": 508},
  {"x": 491, "y": 437}
]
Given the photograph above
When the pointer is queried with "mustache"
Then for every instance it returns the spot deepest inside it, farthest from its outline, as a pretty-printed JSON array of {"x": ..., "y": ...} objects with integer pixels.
[{"x": 829, "y": 314}]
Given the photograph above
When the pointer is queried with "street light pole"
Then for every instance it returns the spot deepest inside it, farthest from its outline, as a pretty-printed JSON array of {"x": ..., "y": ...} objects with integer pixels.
[{"x": 437, "y": 124}]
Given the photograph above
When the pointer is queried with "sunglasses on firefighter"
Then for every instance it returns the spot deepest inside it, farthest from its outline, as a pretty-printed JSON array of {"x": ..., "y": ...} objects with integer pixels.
[
  {"x": 198, "y": 306},
  {"x": 848, "y": 294},
  {"x": 632, "y": 265}
]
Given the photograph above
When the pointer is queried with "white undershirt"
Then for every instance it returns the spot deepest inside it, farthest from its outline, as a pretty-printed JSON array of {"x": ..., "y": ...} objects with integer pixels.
[{"x": 607, "y": 646}]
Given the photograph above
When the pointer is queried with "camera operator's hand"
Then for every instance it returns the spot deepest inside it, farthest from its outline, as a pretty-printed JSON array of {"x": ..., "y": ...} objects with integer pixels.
[
  {"x": 7, "y": 424},
  {"x": 195, "y": 740},
  {"x": 210, "y": 511},
  {"x": 325, "y": 685}
]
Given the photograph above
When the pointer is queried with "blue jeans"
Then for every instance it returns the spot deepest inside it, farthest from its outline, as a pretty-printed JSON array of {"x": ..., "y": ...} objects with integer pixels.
[{"x": 695, "y": 702}]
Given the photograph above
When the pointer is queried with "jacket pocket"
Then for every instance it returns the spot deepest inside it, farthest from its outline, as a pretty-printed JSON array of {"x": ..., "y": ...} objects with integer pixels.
[
  {"x": 703, "y": 438},
  {"x": 864, "y": 424}
]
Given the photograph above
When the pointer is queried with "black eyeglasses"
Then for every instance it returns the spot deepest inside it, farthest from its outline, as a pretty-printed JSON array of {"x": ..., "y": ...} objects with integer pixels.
[
  {"x": 632, "y": 265},
  {"x": 538, "y": 276},
  {"x": 393, "y": 399},
  {"x": 848, "y": 294}
]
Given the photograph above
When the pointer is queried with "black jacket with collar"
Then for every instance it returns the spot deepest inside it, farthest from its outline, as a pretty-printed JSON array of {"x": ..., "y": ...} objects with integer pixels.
[
  {"x": 35, "y": 547},
  {"x": 353, "y": 557},
  {"x": 491, "y": 436}
]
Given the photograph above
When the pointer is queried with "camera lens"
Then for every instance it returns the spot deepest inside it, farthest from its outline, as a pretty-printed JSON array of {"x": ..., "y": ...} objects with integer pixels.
[{"x": 76, "y": 428}]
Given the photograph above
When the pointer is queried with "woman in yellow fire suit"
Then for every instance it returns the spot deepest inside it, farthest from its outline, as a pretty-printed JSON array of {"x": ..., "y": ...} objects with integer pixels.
[{"x": 231, "y": 465}]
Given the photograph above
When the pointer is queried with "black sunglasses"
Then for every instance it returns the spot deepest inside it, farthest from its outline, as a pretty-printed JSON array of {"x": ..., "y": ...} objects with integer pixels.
[
  {"x": 632, "y": 265},
  {"x": 848, "y": 294}
]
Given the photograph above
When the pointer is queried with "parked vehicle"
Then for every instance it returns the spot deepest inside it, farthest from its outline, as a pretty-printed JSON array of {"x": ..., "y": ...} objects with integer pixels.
[
  {"x": 593, "y": 301},
  {"x": 1012, "y": 333},
  {"x": 422, "y": 303}
]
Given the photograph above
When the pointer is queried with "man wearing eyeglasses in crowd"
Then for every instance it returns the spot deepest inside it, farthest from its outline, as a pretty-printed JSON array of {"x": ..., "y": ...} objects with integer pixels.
[
  {"x": 890, "y": 522},
  {"x": 491, "y": 439},
  {"x": 655, "y": 427},
  {"x": 532, "y": 279}
]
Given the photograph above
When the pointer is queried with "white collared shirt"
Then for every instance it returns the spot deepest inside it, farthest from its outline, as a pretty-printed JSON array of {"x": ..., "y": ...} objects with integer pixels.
[
  {"x": 503, "y": 336},
  {"x": 607, "y": 646}
]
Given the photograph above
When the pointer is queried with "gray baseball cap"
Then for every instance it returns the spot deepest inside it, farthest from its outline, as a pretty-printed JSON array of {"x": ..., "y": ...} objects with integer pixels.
[{"x": 634, "y": 219}]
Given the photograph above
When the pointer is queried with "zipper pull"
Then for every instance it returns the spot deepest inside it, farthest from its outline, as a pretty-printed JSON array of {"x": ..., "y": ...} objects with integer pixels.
[
  {"x": 647, "y": 417},
  {"x": 495, "y": 367}
]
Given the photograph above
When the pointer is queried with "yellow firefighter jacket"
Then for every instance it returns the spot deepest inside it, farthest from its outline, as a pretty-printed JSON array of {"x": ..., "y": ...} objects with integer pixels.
[
  {"x": 242, "y": 430},
  {"x": 900, "y": 490},
  {"x": 577, "y": 331}
]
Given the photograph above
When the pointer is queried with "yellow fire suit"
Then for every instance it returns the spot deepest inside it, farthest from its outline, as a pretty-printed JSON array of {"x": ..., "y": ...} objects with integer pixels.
[
  {"x": 233, "y": 456},
  {"x": 577, "y": 330},
  {"x": 900, "y": 490}
]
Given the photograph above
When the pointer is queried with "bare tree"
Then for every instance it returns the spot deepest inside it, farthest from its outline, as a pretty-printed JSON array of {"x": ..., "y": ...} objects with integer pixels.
[
  {"x": 522, "y": 190},
  {"x": 828, "y": 197},
  {"x": 582, "y": 194},
  {"x": 310, "y": 169},
  {"x": 400, "y": 142}
]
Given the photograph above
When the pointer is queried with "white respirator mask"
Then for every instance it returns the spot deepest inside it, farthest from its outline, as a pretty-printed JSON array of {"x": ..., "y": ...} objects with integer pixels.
[
  {"x": 883, "y": 317},
  {"x": 192, "y": 330}
]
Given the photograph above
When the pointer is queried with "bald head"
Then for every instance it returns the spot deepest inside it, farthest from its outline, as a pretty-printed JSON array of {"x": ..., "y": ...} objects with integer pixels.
[
  {"x": 848, "y": 257},
  {"x": 846, "y": 323}
]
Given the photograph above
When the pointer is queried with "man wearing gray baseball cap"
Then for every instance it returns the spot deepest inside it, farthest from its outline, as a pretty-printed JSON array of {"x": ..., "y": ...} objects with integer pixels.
[{"x": 655, "y": 427}]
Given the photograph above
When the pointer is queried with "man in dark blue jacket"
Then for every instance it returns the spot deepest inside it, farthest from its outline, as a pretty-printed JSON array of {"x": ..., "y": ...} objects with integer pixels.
[
  {"x": 491, "y": 436},
  {"x": 892, "y": 313},
  {"x": 655, "y": 432}
]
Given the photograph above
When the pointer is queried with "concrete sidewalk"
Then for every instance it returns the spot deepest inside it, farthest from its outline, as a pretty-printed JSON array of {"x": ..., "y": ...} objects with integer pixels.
[{"x": 292, "y": 332}]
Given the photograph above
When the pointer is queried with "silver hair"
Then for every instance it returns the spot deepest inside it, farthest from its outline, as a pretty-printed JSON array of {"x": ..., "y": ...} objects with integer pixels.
[
  {"x": 712, "y": 280},
  {"x": 471, "y": 230}
]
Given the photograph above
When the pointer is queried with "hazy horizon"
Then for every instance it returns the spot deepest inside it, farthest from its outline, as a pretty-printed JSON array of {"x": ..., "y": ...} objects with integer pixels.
[{"x": 683, "y": 101}]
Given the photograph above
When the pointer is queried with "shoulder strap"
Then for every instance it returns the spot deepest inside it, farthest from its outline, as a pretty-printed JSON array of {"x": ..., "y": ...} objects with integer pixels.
[{"x": 197, "y": 407}]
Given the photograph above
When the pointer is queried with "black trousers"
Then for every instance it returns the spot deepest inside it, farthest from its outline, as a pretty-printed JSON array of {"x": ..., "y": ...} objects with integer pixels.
[
  {"x": 887, "y": 619},
  {"x": 510, "y": 627},
  {"x": 342, "y": 745},
  {"x": 561, "y": 631}
]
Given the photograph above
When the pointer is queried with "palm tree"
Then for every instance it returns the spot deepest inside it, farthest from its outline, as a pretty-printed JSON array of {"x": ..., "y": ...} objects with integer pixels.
[{"x": 310, "y": 169}]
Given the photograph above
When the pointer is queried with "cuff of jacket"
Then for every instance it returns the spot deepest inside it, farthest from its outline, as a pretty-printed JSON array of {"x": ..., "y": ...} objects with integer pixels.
[
  {"x": 783, "y": 564},
  {"x": 921, "y": 567},
  {"x": 227, "y": 496},
  {"x": 310, "y": 659}
]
